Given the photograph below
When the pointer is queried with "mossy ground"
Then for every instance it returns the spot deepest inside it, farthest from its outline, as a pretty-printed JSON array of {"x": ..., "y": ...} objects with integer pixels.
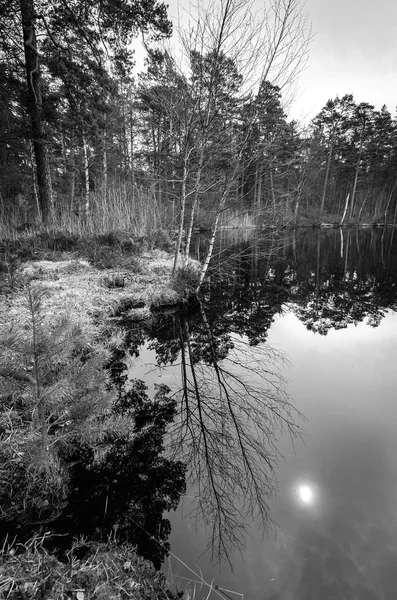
[{"x": 88, "y": 279}]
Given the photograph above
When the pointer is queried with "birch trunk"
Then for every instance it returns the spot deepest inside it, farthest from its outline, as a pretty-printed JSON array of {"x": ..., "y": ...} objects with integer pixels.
[
  {"x": 388, "y": 202},
  {"x": 344, "y": 212},
  {"x": 194, "y": 205},
  {"x": 86, "y": 177},
  {"x": 212, "y": 240},
  {"x": 182, "y": 215}
]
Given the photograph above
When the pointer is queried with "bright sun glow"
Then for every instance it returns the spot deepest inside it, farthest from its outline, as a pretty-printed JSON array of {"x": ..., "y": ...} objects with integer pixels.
[{"x": 306, "y": 494}]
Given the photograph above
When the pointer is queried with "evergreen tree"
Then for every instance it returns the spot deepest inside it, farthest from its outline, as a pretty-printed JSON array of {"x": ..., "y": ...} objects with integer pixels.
[
  {"x": 51, "y": 385},
  {"x": 53, "y": 31}
]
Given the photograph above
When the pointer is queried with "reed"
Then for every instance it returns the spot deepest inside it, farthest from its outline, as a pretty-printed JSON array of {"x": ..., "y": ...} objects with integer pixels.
[{"x": 122, "y": 207}]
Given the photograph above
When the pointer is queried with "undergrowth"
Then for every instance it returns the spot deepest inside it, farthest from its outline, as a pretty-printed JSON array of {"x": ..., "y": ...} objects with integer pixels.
[
  {"x": 105, "y": 571},
  {"x": 113, "y": 249},
  {"x": 186, "y": 279}
]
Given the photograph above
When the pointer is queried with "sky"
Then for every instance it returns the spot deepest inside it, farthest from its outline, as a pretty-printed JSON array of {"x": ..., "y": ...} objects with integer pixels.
[{"x": 353, "y": 51}]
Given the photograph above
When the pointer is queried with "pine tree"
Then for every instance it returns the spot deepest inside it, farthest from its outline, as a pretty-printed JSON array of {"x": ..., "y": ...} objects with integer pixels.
[{"x": 51, "y": 385}]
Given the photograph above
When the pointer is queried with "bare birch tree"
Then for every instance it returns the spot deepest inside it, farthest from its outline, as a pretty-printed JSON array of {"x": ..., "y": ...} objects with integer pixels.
[{"x": 266, "y": 45}]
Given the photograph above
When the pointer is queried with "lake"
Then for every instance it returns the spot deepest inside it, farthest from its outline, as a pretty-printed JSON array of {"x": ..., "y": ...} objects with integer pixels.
[{"x": 294, "y": 348}]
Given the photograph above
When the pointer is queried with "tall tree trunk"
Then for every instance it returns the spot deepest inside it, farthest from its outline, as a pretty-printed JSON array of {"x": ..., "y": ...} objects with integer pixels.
[
  {"x": 391, "y": 243},
  {"x": 211, "y": 247},
  {"x": 318, "y": 262},
  {"x": 296, "y": 207},
  {"x": 326, "y": 179},
  {"x": 272, "y": 189},
  {"x": 352, "y": 203},
  {"x": 346, "y": 255},
  {"x": 34, "y": 177},
  {"x": 131, "y": 146},
  {"x": 86, "y": 177},
  {"x": 182, "y": 214},
  {"x": 341, "y": 242},
  {"x": 388, "y": 202},
  {"x": 395, "y": 214},
  {"x": 353, "y": 200},
  {"x": 299, "y": 194},
  {"x": 64, "y": 154},
  {"x": 258, "y": 187},
  {"x": 361, "y": 208},
  {"x": 160, "y": 165},
  {"x": 105, "y": 166},
  {"x": 126, "y": 154},
  {"x": 72, "y": 176},
  {"x": 344, "y": 212},
  {"x": 214, "y": 231},
  {"x": 240, "y": 186},
  {"x": 34, "y": 106},
  {"x": 195, "y": 201},
  {"x": 255, "y": 186}
]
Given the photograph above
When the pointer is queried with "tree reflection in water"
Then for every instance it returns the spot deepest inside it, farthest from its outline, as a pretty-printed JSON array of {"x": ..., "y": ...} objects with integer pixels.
[
  {"x": 233, "y": 402},
  {"x": 328, "y": 279},
  {"x": 233, "y": 405}
]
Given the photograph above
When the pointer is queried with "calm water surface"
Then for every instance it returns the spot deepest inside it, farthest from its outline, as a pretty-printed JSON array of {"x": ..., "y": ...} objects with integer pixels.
[{"x": 327, "y": 302}]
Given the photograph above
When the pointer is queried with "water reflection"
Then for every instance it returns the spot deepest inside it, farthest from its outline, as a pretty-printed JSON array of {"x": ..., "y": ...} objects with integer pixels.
[
  {"x": 233, "y": 405},
  {"x": 329, "y": 279},
  {"x": 306, "y": 494},
  {"x": 337, "y": 536},
  {"x": 342, "y": 545},
  {"x": 328, "y": 302}
]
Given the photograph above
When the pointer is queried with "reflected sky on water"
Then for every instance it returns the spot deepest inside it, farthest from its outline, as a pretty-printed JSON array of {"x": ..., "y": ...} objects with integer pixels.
[
  {"x": 337, "y": 492},
  {"x": 336, "y": 506},
  {"x": 326, "y": 302}
]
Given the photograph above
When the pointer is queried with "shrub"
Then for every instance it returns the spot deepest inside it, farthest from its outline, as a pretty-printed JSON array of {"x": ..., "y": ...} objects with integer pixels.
[
  {"x": 60, "y": 242},
  {"x": 186, "y": 279},
  {"x": 113, "y": 281},
  {"x": 161, "y": 239}
]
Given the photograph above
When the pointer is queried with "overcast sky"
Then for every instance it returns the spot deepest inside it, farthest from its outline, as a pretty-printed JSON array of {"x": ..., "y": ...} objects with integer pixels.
[{"x": 353, "y": 51}]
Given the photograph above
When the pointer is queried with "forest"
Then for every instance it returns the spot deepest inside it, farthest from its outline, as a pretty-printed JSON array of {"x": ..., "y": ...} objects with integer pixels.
[{"x": 200, "y": 137}]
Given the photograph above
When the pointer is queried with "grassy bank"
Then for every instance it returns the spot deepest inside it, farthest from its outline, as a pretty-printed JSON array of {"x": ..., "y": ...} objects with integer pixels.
[
  {"x": 105, "y": 571},
  {"x": 91, "y": 276},
  {"x": 91, "y": 281}
]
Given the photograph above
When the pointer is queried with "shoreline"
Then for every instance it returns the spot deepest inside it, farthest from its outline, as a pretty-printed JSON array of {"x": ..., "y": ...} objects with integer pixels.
[{"x": 91, "y": 297}]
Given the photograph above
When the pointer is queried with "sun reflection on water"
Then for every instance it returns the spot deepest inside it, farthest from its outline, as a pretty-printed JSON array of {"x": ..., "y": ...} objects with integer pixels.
[{"x": 305, "y": 493}]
